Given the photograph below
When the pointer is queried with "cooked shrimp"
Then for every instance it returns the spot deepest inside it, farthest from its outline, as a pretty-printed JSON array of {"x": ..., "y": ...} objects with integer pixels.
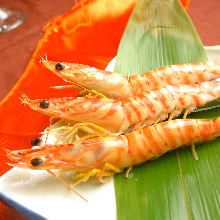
[
  {"x": 98, "y": 156},
  {"x": 122, "y": 116},
  {"x": 117, "y": 86}
]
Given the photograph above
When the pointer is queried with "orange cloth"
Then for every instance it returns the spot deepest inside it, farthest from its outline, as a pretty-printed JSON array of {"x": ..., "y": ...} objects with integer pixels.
[{"x": 90, "y": 34}]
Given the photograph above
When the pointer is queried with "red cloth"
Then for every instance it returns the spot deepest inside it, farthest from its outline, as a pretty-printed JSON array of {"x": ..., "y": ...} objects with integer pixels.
[
  {"x": 74, "y": 37},
  {"x": 90, "y": 34}
]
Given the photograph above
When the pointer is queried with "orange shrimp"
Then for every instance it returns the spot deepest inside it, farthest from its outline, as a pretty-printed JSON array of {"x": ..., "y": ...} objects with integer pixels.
[
  {"x": 117, "y": 86},
  {"x": 123, "y": 116},
  {"x": 108, "y": 155}
]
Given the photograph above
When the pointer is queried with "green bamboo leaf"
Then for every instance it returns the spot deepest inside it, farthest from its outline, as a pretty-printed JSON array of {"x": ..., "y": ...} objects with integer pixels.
[
  {"x": 159, "y": 33},
  {"x": 174, "y": 186}
]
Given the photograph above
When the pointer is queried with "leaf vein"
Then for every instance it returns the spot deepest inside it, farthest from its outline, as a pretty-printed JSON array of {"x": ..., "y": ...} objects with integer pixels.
[{"x": 184, "y": 188}]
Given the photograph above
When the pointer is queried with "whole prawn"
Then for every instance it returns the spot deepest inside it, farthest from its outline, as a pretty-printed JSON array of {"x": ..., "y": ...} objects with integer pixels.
[
  {"x": 117, "y": 86},
  {"x": 126, "y": 115},
  {"x": 108, "y": 155}
]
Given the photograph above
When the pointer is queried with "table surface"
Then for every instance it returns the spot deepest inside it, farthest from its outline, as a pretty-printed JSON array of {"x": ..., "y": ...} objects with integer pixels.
[{"x": 18, "y": 45}]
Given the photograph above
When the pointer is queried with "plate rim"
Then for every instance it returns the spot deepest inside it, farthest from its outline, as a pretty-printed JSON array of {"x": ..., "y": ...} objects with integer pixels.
[{"x": 20, "y": 208}]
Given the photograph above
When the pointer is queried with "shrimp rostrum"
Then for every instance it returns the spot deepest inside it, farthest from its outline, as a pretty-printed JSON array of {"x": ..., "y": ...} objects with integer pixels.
[
  {"x": 105, "y": 156},
  {"x": 117, "y": 86},
  {"x": 139, "y": 111}
]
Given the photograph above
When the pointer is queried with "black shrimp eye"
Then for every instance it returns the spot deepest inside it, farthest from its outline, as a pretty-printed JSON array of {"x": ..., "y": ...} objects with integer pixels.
[
  {"x": 35, "y": 141},
  {"x": 36, "y": 162},
  {"x": 44, "y": 104},
  {"x": 60, "y": 66}
]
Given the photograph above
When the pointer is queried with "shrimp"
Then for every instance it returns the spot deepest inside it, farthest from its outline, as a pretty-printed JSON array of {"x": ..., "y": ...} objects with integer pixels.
[
  {"x": 105, "y": 156},
  {"x": 117, "y": 86},
  {"x": 126, "y": 115}
]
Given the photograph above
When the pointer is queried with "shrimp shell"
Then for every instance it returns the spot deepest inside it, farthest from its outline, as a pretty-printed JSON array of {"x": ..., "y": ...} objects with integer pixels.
[
  {"x": 121, "y": 116},
  {"x": 117, "y": 86},
  {"x": 121, "y": 151}
]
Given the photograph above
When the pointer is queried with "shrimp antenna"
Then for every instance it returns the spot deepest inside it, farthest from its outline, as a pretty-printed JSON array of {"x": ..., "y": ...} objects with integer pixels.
[
  {"x": 46, "y": 57},
  {"x": 24, "y": 99},
  {"x": 48, "y": 130},
  {"x": 42, "y": 60},
  {"x": 73, "y": 190}
]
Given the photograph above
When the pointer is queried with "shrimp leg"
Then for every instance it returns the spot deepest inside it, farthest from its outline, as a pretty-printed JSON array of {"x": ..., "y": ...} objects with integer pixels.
[
  {"x": 89, "y": 136},
  {"x": 195, "y": 155},
  {"x": 171, "y": 116},
  {"x": 111, "y": 167},
  {"x": 186, "y": 113},
  {"x": 98, "y": 172},
  {"x": 79, "y": 175},
  {"x": 128, "y": 171},
  {"x": 85, "y": 126},
  {"x": 85, "y": 176}
]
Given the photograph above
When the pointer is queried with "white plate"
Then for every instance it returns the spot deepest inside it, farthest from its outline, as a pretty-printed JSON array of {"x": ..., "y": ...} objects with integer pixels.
[{"x": 39, "y": 195}]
